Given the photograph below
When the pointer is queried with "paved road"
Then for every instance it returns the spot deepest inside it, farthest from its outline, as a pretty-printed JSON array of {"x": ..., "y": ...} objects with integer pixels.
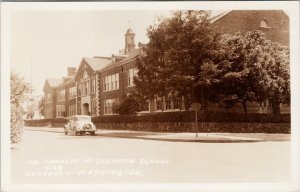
[{"x": 49, "y": 157}]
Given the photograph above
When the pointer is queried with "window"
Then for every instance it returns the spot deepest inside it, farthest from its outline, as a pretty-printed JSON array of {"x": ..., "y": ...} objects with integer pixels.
[
  {"x": 264, "y": 24},
  {"x": 111, "y": 82},
  {"x": 60, "y": 110},
  {"x": 132, "y": 72},
  {"x": 87, "y": 87},
  {"x": 72, "y": 110},
  {"x": 79, "y": 89},
  {"x": 158, "y": 104},
  {"x": 145, "y": 106},
  {"x": 93, "y": 88},
  {"x": 176, "y": 103},
  {"x": 72, "y": 92},
  {"x": 85, "y": 75},
  {"x": 48, "y": 98},
  {"x": 94, "y": 107},
  {"x": 168, "y": 103},
  {"x": 84, "y": 88},
  {"x": 61, "y": 95},
  {"x": 78, "y": 107},
  {"x": 109, "y": 104}
]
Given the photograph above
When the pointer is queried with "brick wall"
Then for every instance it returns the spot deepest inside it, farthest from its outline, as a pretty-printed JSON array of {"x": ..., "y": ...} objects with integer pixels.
[{"x": 248, "y": 20}]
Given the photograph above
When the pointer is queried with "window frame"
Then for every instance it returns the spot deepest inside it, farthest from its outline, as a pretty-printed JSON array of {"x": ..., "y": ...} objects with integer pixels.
[
  {"x": 109, "y": 104},
  {"x": 132, "y": 72},
  {"x": 111, "y": 82}
]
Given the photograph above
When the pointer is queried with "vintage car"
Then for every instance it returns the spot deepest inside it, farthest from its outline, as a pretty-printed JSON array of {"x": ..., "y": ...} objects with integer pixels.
[{"x": 79, "y": 124}]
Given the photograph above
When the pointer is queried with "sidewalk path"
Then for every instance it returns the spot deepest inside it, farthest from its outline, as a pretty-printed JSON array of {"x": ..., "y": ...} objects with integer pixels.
[{"x": 182, "y": 137}]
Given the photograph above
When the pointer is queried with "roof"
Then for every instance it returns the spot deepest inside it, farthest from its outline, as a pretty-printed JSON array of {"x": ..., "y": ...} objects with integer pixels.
[
  {"x": 131, "y": 56},
  {"x": 65, "y": 81},
  {"x": 97, "y": 63},
  {"x": 218, "y": 16},
  {"x": 54, "y": 82}
]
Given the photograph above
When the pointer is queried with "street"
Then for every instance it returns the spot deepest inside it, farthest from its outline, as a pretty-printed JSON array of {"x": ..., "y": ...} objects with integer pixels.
[{"x": 49, "y": 157}]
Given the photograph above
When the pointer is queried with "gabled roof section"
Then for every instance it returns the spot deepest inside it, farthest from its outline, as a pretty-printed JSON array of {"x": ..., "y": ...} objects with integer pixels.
[
  {"x": 218, "y": 16},
  {"x": 65, "y": 81},
  {"x": 97, "y": 63},
  {"x": 52, "y": 82},
  {"x": 131, "y": 57}
]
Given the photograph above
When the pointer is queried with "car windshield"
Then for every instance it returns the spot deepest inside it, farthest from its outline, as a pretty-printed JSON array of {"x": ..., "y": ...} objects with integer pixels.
[{"x": 82, "y": 118}]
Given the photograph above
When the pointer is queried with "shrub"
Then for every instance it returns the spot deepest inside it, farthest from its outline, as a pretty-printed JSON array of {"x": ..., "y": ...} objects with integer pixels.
[
  {"x": 129, "y": 106},
  {"x": 183, "y": 116},
  {"x": 188, "y": 116}
]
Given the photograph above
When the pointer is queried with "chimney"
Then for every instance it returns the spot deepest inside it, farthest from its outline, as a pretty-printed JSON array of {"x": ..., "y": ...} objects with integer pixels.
[{"x": 71, "y": 71}]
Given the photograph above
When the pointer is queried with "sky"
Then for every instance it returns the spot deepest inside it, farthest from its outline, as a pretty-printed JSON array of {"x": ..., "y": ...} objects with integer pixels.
[{"x": 45, "y": 43}]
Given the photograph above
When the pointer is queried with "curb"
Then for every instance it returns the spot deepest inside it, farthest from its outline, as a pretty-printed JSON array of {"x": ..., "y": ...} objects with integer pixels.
[
  {"x": 177, "y": 140},
  {"x": 187, "y": 140}
]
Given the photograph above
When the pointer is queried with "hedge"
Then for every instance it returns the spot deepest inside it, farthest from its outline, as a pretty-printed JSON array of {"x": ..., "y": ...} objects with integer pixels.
[
  {"x": 184, "y": 116},
  {"x": 188, "y": 116}
]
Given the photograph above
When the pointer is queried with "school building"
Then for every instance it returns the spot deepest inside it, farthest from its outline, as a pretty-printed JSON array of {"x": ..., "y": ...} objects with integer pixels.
[{"x": 100, "y": 83}]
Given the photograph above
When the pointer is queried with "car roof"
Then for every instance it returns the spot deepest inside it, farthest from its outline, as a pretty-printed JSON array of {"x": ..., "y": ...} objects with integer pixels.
[{"x": 81, "y": 116}]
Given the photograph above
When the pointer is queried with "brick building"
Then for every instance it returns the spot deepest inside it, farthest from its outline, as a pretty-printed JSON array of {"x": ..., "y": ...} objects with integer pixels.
[
  {"x": 100, "y": 83},
  {"x": 87, "y": 84},
  {"x": 50, "y": 97},
  {"x": 274, "y": 23},
  {"x": 58, "y": 100}
]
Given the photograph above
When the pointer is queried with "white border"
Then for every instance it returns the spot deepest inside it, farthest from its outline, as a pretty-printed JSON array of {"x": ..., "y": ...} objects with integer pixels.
[{"x": 291, "y": 6}]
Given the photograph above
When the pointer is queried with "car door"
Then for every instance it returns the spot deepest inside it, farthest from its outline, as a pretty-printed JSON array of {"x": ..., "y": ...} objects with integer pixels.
[{"x": 72, "y": 124}]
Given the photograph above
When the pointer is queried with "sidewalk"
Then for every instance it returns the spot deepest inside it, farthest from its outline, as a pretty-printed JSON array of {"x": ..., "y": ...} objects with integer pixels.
[{"x": 181, "y": 137}]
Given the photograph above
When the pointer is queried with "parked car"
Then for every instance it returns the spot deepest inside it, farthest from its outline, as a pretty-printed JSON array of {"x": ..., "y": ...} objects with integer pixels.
[{"x": 79, "y": 124}]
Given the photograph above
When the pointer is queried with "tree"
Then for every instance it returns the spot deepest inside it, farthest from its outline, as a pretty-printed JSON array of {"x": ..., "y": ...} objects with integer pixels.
[
  {"x": 278, "y": 76},
  {"x": 30, "y": 107},
  {"x": 19, "y": 93},
  {"x": 253, "y": 69},
  {"x": 241, "y": 76},
  {"x": 171, "y": 63}
]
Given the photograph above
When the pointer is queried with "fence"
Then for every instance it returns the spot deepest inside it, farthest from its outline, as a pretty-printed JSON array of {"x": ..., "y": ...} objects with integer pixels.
[{"x": 185, "y": 122}]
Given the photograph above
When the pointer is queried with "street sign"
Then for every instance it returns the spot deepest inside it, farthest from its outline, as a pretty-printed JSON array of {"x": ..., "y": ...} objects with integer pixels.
[{"x": 196, "y": 106}]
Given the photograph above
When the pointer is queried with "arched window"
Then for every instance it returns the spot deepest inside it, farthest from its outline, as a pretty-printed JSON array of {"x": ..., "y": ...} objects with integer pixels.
[
  {"x": 264, "y": 24},
  {"x": 85, "y": 75}
]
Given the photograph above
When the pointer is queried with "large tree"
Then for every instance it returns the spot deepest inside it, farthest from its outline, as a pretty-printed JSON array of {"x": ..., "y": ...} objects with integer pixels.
[
  {"x": 19, "y": 94},
  {"x": 253, "y": 69},
  {"x": 171, "y": 64},
  {"x": 278, "y": 76},
  {"x": 241, "y": 76}
]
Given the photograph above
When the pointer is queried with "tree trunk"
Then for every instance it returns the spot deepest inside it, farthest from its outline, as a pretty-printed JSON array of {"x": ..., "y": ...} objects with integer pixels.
[
  {"x": 275, "y": 107},
  {"x": 202, "y": 98},
  {"x": 245, "y": 107}
]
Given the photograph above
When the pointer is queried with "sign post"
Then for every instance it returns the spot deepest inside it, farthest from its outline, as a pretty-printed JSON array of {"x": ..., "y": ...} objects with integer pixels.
[{"x": 196, "y": 107}]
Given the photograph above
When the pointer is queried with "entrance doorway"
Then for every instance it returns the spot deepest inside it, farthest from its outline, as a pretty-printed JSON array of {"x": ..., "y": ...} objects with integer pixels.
[{"x": 85, "y": 109}]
